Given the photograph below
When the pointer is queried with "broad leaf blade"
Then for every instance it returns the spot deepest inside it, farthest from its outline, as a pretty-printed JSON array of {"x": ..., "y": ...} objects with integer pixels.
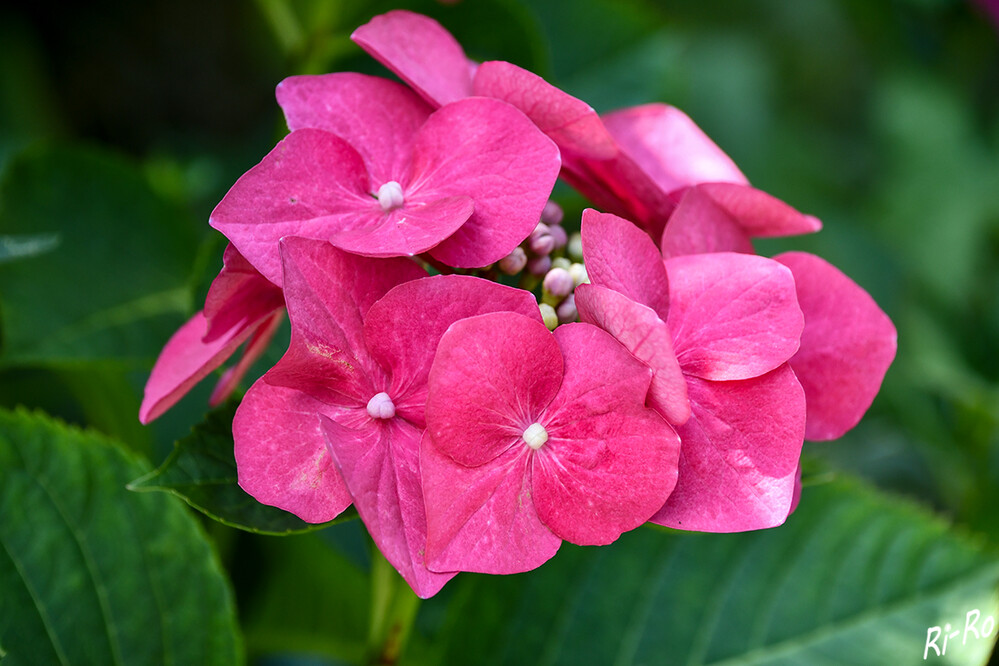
[
  {"x": 202, "y": 471},
  {"x": 93, "y": 574},
  {"x": 853, "y": 577}
]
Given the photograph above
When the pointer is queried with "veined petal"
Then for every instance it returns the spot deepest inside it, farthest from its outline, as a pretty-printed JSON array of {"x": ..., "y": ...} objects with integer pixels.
[
  {"x": 846, "y": 347},
  {"x": 739, "y": 454},
  {"x": 281, "y": 454},
  {"x": 377, "y": 117},
  {"x": 255, "y": 348},
  {"x": 482, "y": 518},
  {"x": 609, "y": 461},
  {"x": 420, "y": 52},
  {"x": 239, "y": 295},
  {"x": 700, "y": 225},
  {"x": 733, "y": 316},
  {"x": 487, "y": 150}
]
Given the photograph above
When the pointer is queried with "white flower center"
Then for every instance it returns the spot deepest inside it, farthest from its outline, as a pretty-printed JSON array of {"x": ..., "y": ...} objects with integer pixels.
[
  {"x": 390, "y": 196},
  {"x": 535, "y": 436},
  {"x": 380, "y": 406}
]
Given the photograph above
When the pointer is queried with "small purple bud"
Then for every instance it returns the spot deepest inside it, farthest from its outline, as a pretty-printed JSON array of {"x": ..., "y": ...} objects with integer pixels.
[
  {"x": 566, "y": 310},
  {"x": 558, "y": 282},
  {"x": 381, "y": 406},
  {"x": 539, "y": 265},
  {"x": 559, "y": 236},
  {"x": 552, "y": 213},
  {"x": 540, "y": 241},
  {"x": 514, "y": 262}
]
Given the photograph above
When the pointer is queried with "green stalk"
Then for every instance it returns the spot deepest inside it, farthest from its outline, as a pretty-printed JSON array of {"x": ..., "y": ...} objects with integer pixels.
[{"x": 393, "y": 610}]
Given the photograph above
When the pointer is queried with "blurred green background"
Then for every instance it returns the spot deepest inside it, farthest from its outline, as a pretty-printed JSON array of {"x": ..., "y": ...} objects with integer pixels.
[{"x": 122, "y": 124}]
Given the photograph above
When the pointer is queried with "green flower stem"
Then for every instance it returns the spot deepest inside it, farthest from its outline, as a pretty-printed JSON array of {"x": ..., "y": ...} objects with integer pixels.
[{"x": 393, "y": 610}]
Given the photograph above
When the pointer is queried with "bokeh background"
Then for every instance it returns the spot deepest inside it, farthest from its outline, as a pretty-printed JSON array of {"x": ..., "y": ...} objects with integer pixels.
[{"x": 123, "y": 123}]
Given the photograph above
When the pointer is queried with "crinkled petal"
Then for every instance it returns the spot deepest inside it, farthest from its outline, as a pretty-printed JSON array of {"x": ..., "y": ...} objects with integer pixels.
[
  {"x": 670, "y": 147},
  {"x": 238, "y": 296},
  {"x": 646, "y": 336},
  {"x": 281, "y": 454},
  {"x": 255, "y": 348},
  {"x": 570, "y": 122},
  {"x": 313, "y": 184},
  {"x": 739, "y": 455},
  {"x": 609, "y": 462},
  {"x": 380, "y": 464},
  {"x": 329, "y": 292},
  {"x": 700, "y": 225},
  {"x": 379, "y": 118},
  {"x": 493, "y": 374},
  {"x": 404, "y": 327},
  {"x": 619, "y": 256},
  {"x": 420, "y": 52},
  {"x": 846, "y": 347},
  {"x": 482, "y": 518},
  {"x": 487, "y": 150},
  {"x": 733, "y": 316},
  {"x": 186, "y": 360}
]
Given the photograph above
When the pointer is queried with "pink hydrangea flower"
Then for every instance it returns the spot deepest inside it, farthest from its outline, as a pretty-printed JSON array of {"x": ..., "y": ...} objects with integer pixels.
[
  {"x": 533, "y": 438},
  {"x": 726, "y": 330},
  {"x": 241, "y": 306},
  {"x": 364, "y": 333},
  {"x": 371, "y": 168}
]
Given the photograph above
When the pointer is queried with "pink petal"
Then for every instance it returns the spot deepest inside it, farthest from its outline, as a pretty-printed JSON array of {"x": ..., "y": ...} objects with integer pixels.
[
  {"x": 482, "y": 518},
  {"x": 281, "y": 454},
  {"x": 380, "y": 464},
  {"x": 846, "y": 347},
  {"x": 570, "y": 122},
  {"x": 186, "y": 360},
  {"x": 492, "y": 375},
  {"x": 609, "y": 462},
  {"x": 329, "y": 292},
  {"x": 420, "y": 52},
  {"x": 403, "y": 328},
  {"x": 757, "y": 212},
  {"x": 238, "y": 295},
  {"x": 669, "y": 147},
  {"x": 739, "y": 455},
  {"x": 313, "y": 184},
  {"x": 255, "y": 348},
  {"x": 646, "y": 336},
  {"x": 733, "y": 316},
  {"x": 377, "y": 117},
  {"x": 700, "y": 225},
  {"x": 487, "y": 150},
  {"x": 621, "y": 257}
]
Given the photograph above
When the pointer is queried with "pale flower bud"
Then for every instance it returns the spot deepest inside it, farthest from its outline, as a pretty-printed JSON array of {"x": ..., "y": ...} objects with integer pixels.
[
  {"x": 552, "y": 213},
  {"x": 514, "y": 262},
  {"x": 548, "y": 316},
  {"x": 558, "y": 282}
]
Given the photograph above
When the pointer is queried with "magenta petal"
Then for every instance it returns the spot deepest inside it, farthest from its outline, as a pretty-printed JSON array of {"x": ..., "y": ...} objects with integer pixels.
[
  {"x": 238, "y": 296},
  {"x": 759, "y": 213},
  {"x": 403, "y": 328},
  {"x": 281, "y": 453},
  {"x": 255, "y": 348},
  {"x": 312, "y": 184},
  {"x": 609, "y": 462},
  {"x": 421, "y": 52},
  {"x": 186, "y": 360},
  {"x": 492, "y": 375},
  {"x": 377, "y": 117},
  {"x": 669, "y": 147},
  {"x": 846, "y": 347},
  {"x": 329, "y": 292},
  {"x": 621, "y": 257},
  {"x": 381, "y": 466},
  {"x": 487, "y": 150},
  {"x": 739, "y": 455},
  {"x": 407, "y": 231},
  {"x": 646, "y": 336},
  {"x": 482, "y": 518},
  {"x": 570, "y": 122},
  {"x": 700, "y": 225},
  {"x": 733, "y": 316}
]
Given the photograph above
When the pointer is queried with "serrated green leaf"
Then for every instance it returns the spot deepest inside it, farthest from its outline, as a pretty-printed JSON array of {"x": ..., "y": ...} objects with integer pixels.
[
  {"x": 854, "y": 577},
  {"x": 202, "y": 471},
  {"x": 93, "y": 574}
]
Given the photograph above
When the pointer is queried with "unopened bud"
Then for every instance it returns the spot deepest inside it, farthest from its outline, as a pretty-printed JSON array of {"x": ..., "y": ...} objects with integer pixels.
[
  {"x": 514, "y": 262},
  {"x": 575, "y": 247},
  {"x": 578, "y": 273},
  {"x": 559, "y": 236},
  {"x": 558, "y": 282},
  {"x": 539, "y": 265},
  {"x": 552, "y": 213},
  {"x": 566, "y": 310},
  {"x": 548, "y": 316},
  {"x": 540, "y": 240}
]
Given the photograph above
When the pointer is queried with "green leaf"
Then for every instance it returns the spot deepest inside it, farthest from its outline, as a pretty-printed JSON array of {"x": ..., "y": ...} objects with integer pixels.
[
  {"x": 18, "y": 247},
  {"x": 116, "y": 285},
  {"x": 202, "y": 471},
  {"x": 854, "y": 577},
  {"x": 93, "y": 574}
]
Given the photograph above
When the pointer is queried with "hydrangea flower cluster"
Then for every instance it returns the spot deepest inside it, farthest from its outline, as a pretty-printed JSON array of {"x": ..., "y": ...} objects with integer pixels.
[{"x": 663, "y": 373}]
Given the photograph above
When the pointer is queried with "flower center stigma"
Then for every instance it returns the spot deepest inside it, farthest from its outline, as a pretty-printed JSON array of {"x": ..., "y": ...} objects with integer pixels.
[
  {"x": 535, "y": 436},
  {"x": 381, "y": 406},
  {"x": 390, "y": 196}
]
